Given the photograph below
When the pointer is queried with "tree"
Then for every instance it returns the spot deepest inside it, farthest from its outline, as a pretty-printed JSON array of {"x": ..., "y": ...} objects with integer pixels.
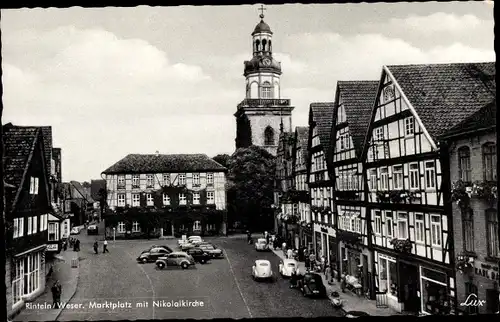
[
  {"x": 223, "y": 159},
  {"x": 251, "y": 172}
]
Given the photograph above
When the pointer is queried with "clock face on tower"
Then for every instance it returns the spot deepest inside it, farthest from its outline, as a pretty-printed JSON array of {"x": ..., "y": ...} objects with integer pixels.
[{"x": 266, "y": 62}]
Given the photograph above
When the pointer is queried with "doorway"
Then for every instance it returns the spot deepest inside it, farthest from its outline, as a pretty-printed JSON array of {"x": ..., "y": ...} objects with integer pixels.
[
  {"x": 409, "y": 287},
  {"x": 167, "y": 228}
]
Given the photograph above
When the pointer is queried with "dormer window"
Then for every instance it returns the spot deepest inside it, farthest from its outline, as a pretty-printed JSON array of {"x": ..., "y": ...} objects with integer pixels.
[{"x": 34, "y": 185}]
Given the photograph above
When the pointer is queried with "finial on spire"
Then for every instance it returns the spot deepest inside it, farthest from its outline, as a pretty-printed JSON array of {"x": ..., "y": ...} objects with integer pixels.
[{"x": 262, "y": 11}]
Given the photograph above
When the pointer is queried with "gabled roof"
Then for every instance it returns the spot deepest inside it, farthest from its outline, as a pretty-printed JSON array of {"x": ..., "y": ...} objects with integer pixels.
[
  {"x": 19, "y": 146},
  {"x": 485, "y": 118},
  {"x": 358, "y": 98},
  {"x": 444, "y": 95},
  {"x": 164, "y": 163},
  {"x": 322, "y": 115},
  {"x": 302, "y": 133},
  {"x": 95, "y": 186}
]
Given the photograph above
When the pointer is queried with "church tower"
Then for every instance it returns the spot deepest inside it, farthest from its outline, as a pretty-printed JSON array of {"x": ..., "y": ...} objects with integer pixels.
[{"x": 263, "y": 114}]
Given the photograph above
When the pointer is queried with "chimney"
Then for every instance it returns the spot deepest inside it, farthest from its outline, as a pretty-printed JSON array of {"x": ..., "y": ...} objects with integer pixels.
[{"x": 157, "y": 153}]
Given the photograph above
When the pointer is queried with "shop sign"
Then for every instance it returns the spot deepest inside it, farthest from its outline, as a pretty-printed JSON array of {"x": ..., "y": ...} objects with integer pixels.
[
  {"x": 488, "y": 271},
  {"x": 52, "y": 247}
]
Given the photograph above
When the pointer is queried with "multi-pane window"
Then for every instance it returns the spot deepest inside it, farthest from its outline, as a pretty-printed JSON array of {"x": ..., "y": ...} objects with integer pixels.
[
  {"x": 149, "y": 199},
  {"x": 182, "y": 179},
  {"x": 136, "y": 200},
  {"x": 210, "y": 197},
  {"x": 378, "y": 223},
  {"x": 419, "y": 228},
  {"x": 30, "y": 227},
  {"x": 430, "y": 171},
  {"x": 18, "y": 227},
  {"x": 166, "y": 200},
  {"x": 32, "y": 273},
  {"x": 266, "y": 90},
  {"x": 389, "y": 224},
  {"x": 135, "y": 227},
  {"x": 18, "y": 281},
  {"x": 121, "y": 182},
  {"x": 379, "y": 134},
  {"x": 210, "y": 178},
  {"x": 468, "y": 229},
  {"x": 150, "y": 181},
  {"x": 373, "y": 179},
  {"x": 464, "y": 170},
  {"x": 53, "y": 231},
  {"x": 490, "y": 162},
  {"x": 166, "y": 179},
  {"x": 196, "y": 198},
  {"x": 121, "y": 227},
  {"x": 196, "y": 178},
  {"x": 34, "y": 185},
  {"x": 436, "y": 230},
  {"x": 414, "y": 176},
  {"x": 121, "y": 200},
  {"x": 492, "y": 233},
  {"x": 397, "y": 176},
  {"x": 136, "y": 181},
  {"x": 35, "y": 224},
  {"x": 409, "y": 126},
  {"x": 182, "y": 199},
  {"x": 384, "y": 179},
  {"x": 402, "y": 225}
]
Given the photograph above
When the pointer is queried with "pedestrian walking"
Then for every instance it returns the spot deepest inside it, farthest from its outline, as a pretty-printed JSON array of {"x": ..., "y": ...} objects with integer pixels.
[
  {"x": 323, "y": 263},
  {"x": 77, "y": 245},
  {"x": 56, "y": 293},
  {"x": 289, "y": 253},
  {"x": 328, "y": 274},
  {"x": 283, "y": 248},
  {"x": 312, "y": 260},
  {"x": 65, "y": 245},
  {"x": 105, "y": 246},
  {"x": 96, "y": 247}
]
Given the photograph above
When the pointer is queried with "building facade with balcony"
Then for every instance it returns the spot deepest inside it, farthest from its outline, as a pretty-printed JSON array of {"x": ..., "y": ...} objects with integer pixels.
[
  {"x": 473, "y": 175},
  {"x": 320, "y": 186},
  {"x": 353, "y": 106},
  {"x": 261, "y": 114},
  {"x": 407, "y": 171},
  {"x": 164, "y": 195},
  {"x": 27, "y": 207}
]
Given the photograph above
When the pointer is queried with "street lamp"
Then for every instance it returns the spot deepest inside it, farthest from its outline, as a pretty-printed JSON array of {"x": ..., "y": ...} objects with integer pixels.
[{"x": 114, "y": 234}]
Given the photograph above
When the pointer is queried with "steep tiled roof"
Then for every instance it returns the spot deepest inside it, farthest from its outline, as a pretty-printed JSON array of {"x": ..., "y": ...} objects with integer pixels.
[
  {"x": 358, "y": 98},
  {"x": 302, "y": 136},
  {"x": 444, "y": 95},
  {"x": 322, "y": 115},
  {"x": 47, "y": 147},
  {"x": 95, "y": 186},
  {"x": 19, "y": 144},
  {"x": 483, "y": 119},
  {"x": 159, "y": 163}
]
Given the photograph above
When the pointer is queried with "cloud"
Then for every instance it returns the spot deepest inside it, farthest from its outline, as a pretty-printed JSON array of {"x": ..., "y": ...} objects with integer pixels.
[{"x": 439, "y": 22}]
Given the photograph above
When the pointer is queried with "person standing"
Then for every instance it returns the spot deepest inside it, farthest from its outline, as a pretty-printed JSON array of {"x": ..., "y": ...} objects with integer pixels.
[
  {"x": 105, "y": 246},
  {"x": 283, "y": 248},
  {"x": 96, "y": 246},
  {"x": 77, "y": 245},
  {"x": 56, "y": 293},
  {"x": 289, "y": 253},
  {"x": 312, "y": 260}
]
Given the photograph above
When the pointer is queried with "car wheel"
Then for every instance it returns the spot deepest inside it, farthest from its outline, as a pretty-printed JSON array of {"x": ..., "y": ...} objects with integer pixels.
[
  {"x": 144, "y": 260},
  {"x": 161, "y": 265},
  {"x": 203, "y": 261},
  {"x": 184, "y": 265}
]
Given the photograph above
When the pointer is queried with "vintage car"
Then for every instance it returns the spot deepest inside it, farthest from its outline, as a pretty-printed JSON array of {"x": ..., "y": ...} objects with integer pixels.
[
  {"x": 153, "y": 254},
  {"x": 287, "y": 266},
  {"x": 262, "y": 245},
  {"x": 311, "y": 285},
  {"x": 199, "y": 255},
  {"x": 181, "y": 259},
  {"x": 190, "y": 239},
  {"x": 211, "y": 249},
  {"x": 261, "y": 270},
  {"x": 75, "y": 231},
  {"x": 170, "y": 250},
  {"x": 92, "y": 230}
]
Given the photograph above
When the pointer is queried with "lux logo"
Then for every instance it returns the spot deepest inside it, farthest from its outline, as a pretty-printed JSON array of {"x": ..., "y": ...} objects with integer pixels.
[{"x": 472, "y": 300}]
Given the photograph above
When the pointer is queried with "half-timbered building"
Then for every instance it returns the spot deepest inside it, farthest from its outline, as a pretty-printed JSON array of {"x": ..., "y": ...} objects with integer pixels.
[
  {"x": 165, "y": 195},
  {"x": 353, "y": 104},
  {"x": 27, "y": 207},
  {"x": 318, "y": 180},
  {"x": 473, "y": 175},
  {"x": 406, "y": 167},
  {"x": 301, "y": 197}
]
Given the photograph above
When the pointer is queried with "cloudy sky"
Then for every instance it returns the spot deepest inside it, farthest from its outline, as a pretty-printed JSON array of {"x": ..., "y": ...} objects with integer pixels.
[{"x": 113, "y": 81}]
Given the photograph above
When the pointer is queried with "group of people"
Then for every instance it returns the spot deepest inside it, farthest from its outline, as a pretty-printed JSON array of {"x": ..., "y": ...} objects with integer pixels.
[
  {"x": 104, "y": 246},
  {"x": 73, "y": 242}
]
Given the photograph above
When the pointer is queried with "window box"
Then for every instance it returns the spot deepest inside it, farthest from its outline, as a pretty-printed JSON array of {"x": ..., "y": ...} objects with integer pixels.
[
  {"x": 465, "y": 264},
  {"x": 462, "y": 192},
  {"x": 402, "y": 245}
]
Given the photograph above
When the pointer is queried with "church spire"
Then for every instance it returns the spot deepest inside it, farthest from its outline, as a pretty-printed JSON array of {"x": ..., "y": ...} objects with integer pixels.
[{"x": 262, "y": 12}]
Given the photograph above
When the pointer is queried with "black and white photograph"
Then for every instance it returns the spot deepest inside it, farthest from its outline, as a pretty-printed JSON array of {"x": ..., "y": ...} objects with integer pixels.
[{"x": 279, "y": 160}]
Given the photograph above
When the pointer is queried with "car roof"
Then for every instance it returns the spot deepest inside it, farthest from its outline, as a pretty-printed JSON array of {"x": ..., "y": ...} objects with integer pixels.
[
  {"x": 261, "y": 239},
  {"x": 287, "y": 261},
  {"x": 258, "y": 261},
  {"x": 179, "y": 253}
]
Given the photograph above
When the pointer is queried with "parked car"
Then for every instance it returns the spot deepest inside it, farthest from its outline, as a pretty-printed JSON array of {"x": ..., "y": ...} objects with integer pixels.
[
  {"x": 199, "y": 255},
  {"x": 287, "y": 266},
  {"x": 261, "y": 270},
  {"x": 75, "y": 231},
  {"x": 181, "y": 259},
  {"x": 211, "y": 250},
  {"x": 190, "y": 240},
  {"x": 312, "y": 285},
  {"x": 92, "y": 230},
  {"x": 170, "y": 250},
  {"x": 355, "y": 314},
  {"x": 262, "y": 245},
  {"x": 153, "y": 254}
]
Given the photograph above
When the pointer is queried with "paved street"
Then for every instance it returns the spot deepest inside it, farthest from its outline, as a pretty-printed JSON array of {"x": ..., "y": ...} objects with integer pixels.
[{"x": 224, "y": 285}]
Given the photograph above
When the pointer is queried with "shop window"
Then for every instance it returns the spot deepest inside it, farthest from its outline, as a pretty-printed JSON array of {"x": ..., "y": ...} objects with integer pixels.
[
  {"x": 434, "y": 292},
  {"x": 388, "y": 278}
]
